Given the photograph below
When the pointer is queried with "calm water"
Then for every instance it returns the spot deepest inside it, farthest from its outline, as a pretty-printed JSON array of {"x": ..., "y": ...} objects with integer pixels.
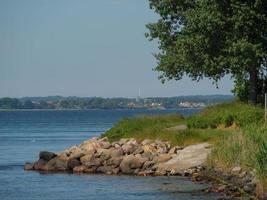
[{"x": 24, "y": 133}]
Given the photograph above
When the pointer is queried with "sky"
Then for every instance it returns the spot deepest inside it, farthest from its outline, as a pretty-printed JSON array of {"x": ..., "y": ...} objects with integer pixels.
[{"x": 84, "y": 48}]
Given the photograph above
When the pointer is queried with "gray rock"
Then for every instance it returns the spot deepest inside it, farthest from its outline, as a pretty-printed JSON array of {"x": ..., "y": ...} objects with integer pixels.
[
  {"x": 46, "y": 155},
  {"x": 73, "y": 163}
]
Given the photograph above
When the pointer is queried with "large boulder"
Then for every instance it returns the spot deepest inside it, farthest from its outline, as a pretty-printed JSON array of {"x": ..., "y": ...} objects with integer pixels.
[
  {"x": 130, "y": 163},
  {"x": 46, "y": 155}
]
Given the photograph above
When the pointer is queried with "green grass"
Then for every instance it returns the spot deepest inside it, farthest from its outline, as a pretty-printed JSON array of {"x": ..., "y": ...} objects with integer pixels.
[
  {"x": 226, "y": 114},
  {"x": 154, "y": 127}
]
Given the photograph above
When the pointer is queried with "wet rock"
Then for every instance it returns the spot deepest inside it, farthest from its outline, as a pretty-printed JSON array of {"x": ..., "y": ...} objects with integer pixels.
[
  {"x": 73, "y": 162},
  {"x": 146, "y": 173},
  {"x": 79, "y": 169},
  {"x": 116, "y": 170},
  {"x": 28, "y": 166},
  {"x": 40, "y": 165},
  {"x": 46, "y": 155},
  {"x": 105, "y": 169}
]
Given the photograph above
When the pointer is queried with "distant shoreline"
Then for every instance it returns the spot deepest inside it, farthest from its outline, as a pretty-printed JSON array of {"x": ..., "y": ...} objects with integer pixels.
[{"x": 7, "y": 110}]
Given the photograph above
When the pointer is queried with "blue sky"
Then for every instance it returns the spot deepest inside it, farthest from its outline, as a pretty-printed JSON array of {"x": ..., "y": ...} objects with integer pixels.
[{"x": 83, "y": 48}]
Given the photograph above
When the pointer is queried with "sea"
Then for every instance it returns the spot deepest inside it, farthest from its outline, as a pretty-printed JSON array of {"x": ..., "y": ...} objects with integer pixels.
[{"x": 23, "y": 134}]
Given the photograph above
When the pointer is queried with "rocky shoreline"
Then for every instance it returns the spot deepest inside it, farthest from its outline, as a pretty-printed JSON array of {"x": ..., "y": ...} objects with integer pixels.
[{"x": 147, "y": 158}]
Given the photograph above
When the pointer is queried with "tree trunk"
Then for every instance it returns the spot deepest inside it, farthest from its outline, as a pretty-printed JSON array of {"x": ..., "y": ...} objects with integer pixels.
[{"x": 253, "y": 85}]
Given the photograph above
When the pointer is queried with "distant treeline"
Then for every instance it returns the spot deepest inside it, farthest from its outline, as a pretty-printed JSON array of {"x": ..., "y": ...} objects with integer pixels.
[{"x": 58, "y": 102}]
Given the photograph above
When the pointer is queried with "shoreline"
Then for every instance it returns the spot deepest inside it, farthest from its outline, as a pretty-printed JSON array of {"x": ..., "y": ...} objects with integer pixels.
[{"x": 147, "y": 158}]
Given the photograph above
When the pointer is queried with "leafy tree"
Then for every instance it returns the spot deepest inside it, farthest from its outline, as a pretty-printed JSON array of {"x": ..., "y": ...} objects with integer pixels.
[{"x": 211, "y": 38}]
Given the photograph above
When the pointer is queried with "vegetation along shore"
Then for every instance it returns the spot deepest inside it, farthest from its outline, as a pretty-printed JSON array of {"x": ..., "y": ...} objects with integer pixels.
[{"x": 224, "y": 144}]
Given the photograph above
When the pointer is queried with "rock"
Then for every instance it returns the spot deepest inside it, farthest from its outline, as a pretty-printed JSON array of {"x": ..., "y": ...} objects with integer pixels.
[
  {"x": 129, "y": 164},
  {"x": 162, "y": 158},
  {"x": 173, "y": 150},
  {"x": 191, "y": 156},
  {"x": 148, "y": 164},
  {"x": 123, "y": 141},
  {"x": 73, "y": 162},
  {"x": 40, "y": 165},
  {"x": 79, "y": 169},
  {"x": 249, "y": 188},
  {"x": 106, "y": 145},
  {"x": 128, "y": 148},
  {"x": 75, "y": 152},
  {"x": 28, "y": 166},
  {"x": 46, "y": 155},
  {"x": 57, "y": 164},
  {"x": 147, "y": 141},
  {"x": 87, "y": 159},
  {"x": 146, "y": 173},
  {"x": 91, "y": 161},
  {"x": 104, "y": 154},
  {"x": 160, "y": 172},
  {"x": 90, "y": 146},
  {"x": 148, "y": 148},
  {"x": 116, "y": 153},
  {"x": 236, "y": 170},
  {"x": 105, "y": 169},
  {"x": 116, "y": 170},
  {"x": 139, "y": 150},
  {"x": 115, "y": 161},
  {"x": 148, "y": 155}
]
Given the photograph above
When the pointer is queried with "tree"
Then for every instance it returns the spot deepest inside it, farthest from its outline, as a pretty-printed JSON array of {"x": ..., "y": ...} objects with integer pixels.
[{"x": 211, "y": 38}]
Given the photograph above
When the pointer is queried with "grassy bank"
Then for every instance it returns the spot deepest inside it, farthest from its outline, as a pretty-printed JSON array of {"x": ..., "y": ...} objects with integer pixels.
[{"x": 237, "y": 131}]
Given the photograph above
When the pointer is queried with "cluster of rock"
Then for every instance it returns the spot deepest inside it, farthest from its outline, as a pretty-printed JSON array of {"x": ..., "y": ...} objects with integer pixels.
[
  {"x": 126, "y": 156},
  {"x": 236, "y": 183}
]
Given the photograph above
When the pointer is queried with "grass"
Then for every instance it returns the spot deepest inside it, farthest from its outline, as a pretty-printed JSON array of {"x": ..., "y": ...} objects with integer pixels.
[
  {"x": 155, "y": 127},
  {"x": 237, "y": 131}
]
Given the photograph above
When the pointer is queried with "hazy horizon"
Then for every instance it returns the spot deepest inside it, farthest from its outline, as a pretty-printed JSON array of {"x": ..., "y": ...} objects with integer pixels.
[{"x": 84, "y": 48}]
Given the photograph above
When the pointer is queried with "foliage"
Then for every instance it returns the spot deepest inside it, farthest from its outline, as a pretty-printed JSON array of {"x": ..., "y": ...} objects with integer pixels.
[
  {"x": 210, "y": 38},
  {"x": 226, "y": 114}
]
